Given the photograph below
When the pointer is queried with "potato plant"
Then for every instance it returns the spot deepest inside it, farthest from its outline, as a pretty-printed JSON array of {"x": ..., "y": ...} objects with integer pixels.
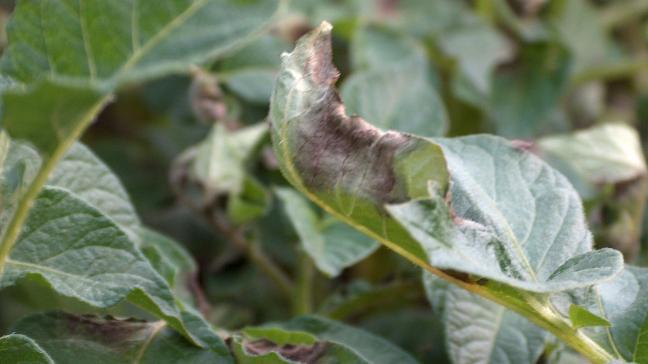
[{"x": 182, "y": 182}]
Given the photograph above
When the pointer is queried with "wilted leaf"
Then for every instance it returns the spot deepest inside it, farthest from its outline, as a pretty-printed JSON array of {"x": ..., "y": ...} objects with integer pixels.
[
  {"x": 219, "y": 164},
  {"x": 88, "y": 339},
  {"x": 331, "y": 244},
  {"x": 19, "y": 349}
]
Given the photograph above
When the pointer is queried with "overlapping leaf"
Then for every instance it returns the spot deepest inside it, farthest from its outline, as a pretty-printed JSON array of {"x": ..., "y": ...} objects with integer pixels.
[
  {"x": 332, "y": 244},
  {"x": 20, "y": 349},
  {"x": 124, "y": 41},
  {"x": 86, "y": 339},
  {"x": 479, "y": 205},
  {"x": 313, "y": 339}
]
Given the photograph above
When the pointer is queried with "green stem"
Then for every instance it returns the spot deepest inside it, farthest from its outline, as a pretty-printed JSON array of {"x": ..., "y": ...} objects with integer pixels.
[
  {"x": 303, "y": 303},
  {"x": 253, "y": 252},
  {"x": 611, "y": 71},
  {"x": 27, "y": 200},
  {"x": 619, "y": 13}
]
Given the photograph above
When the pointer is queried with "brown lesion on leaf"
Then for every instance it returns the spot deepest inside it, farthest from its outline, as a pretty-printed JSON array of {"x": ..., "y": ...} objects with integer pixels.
[
  {"x": 337, "y": 151},
  {"x": 306, "y": 354},
  {"x": 107, "y": 329}
]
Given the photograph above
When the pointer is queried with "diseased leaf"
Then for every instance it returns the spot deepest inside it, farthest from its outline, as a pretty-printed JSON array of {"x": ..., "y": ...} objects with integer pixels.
[
  {"x": 20, "y": 349},
  {"x": 88, "y": 339},
  {"x": 312, "y": 339},
  {"x": 365, "y": 346},
  {"x": 503, "y": 223},
  {"x": 343, "y": 163},
  {"x": 331, "y": 244},
  {"x": 125, "y": 41},
  {"x": 510, "y": 228},
  {"x": 581, "y": 317}
]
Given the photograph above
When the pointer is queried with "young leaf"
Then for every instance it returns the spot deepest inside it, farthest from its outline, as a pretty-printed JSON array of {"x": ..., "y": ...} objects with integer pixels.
[
  {"x": 581, "y": 317},
  {"x": 115, "y": 42},
  {"x": 86, "y": 339},
  {"x": 331, "y": 244},
  {"x": 19, "y": 349}
]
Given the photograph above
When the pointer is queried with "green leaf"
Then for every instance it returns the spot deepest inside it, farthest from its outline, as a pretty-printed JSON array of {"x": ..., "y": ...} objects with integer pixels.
[
  {"x": 504, "y": 224},
  {"x": 116, "y": 42},
  {"x": 87, "y": 339},
  {"x": 376, "y": 47},
  {"x": 525, "y": 97},
  {"x": 251, "y": 72},
  {"x": 395, "y": 92},
  {"x": 331, "y": 244},
  {"x": 62, "y": 113},
  {"x": 477, "y": 49},
  {"x": 19, "y": 349},
  {"x": 608, "y": 153},
  {"x": 581, "y": 317},
  {"x": 480, "y": 331},
  {"x": 625, "y": 301}
]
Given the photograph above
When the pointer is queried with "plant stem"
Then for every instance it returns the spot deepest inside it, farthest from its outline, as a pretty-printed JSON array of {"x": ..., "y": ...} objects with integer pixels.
[
  {"x": 611, "y": 71},
  {"x": 27, "y": 200},
  {"x": 620, "y": 13},
  {"x": 253, "y": 252},
  {"x": 303, "y": 301}
]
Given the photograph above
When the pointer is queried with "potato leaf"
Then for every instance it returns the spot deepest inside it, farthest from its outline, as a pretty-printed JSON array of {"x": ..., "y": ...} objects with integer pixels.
[
  {"x": 88, "y": 339},
  {"x": 19, "y": 349},
  {"x": 110, "y": 43},
  {"x": 331, "y": 244},
  {"x": 313, "y": 339},
  {"x": 508, "y": 216}
]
